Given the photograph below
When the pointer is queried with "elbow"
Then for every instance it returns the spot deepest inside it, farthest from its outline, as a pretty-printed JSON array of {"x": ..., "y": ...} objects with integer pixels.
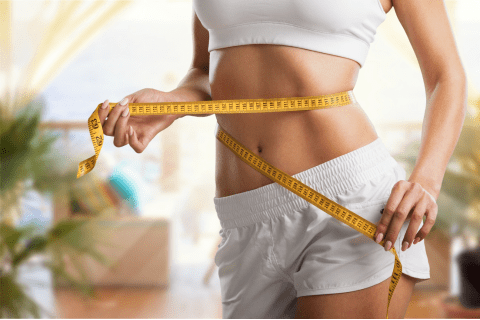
[
  {"x": 201, "y": 66},
  {"x": 454, "y": 74},
  {"x": 458, "y": 83},
  {"x": 205, "y": 68},
  {"x": 455, "y": 79}
]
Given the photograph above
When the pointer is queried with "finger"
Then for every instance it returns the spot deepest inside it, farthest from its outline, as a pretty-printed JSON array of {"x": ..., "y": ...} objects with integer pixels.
[
  {"x": 429, "y": 222},
  {"x": 415, "y": 221},
  {"x": 396, "y": 196},
  {"x": 109, "y": 126},
  {"x": 121, "y": 128},
  {"x": 133, "y": 141},
  {"x": 402, "y": 213},
  {"x": 103, "y": 112}
]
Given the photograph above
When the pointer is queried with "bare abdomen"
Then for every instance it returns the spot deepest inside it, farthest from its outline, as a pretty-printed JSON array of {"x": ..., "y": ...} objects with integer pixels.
[{"x": 292, "y": 141}]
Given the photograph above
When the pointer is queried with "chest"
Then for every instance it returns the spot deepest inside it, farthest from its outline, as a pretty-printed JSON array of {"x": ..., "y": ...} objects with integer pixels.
[{"x": 329, "y": 16}]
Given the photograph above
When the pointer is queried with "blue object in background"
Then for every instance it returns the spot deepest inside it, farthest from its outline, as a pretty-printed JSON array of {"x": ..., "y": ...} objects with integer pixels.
[{"x": 123, "y": 180}]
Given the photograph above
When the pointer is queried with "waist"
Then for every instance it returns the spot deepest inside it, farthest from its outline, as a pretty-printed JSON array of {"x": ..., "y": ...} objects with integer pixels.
[
  {"x": 293, "y": 141},
  {"x": 273, "y": 131}
]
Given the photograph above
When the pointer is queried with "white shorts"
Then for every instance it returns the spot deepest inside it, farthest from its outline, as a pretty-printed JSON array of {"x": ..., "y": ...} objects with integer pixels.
[{"x": 276, "y": 246}]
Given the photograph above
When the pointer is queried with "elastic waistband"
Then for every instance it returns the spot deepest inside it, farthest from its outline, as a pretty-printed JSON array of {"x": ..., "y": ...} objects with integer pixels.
[{"x": 329, "y": 178}]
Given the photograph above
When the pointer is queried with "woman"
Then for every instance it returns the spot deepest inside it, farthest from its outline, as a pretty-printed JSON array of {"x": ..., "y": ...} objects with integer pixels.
[{"x": 280, "y": 256}]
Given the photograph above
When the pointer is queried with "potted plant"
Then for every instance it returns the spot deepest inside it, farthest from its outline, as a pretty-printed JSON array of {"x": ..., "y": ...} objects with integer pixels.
[{"x": 28, "y": 161}]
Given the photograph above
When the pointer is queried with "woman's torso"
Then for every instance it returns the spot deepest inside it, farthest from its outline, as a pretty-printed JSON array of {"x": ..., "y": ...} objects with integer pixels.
[{"x": 292, "y": 141}]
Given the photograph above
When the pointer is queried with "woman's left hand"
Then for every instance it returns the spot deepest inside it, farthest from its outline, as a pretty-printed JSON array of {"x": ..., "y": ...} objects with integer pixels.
[{"x": 408, "y": 200}]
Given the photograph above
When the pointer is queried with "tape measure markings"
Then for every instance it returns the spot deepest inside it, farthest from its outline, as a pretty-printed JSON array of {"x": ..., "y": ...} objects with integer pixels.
[{"x": 240, "y": 105}]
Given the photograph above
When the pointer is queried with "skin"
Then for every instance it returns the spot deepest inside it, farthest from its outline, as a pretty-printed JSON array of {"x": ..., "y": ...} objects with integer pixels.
[{"x": 308, "y": 138}]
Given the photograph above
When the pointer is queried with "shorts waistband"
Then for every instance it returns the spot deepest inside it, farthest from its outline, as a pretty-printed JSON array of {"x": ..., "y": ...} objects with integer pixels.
[{"x": 329, "y": 178}]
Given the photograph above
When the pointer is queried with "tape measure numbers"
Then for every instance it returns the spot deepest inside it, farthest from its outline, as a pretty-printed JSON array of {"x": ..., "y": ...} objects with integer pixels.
[{"x": 329, "y": 206}]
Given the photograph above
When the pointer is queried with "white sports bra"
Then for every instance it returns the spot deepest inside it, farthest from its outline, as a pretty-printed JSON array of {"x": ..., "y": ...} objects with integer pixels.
[{"x": 344, "y": 28}]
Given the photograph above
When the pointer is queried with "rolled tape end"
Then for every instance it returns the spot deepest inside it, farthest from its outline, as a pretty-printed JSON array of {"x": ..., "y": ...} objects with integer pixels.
[
  {"x": 86, "y": 166},
  {"x": 80, "y": 172}
]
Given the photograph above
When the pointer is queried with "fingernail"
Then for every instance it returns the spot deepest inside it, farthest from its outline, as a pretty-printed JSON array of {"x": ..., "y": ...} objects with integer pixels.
[
  {"x": 409, "y": 245},
  {"x": 124, "y": 101},
  {"x": 105, "y": 104},
  {"x": 405, "y": 245},
  {"x": 130, "y": 131},
  {"x": 416, "y": 240},
  {"x": 379, "y": 238},
  {"x": 125, "y": 112},
  {"x": 388, "y": 245}
]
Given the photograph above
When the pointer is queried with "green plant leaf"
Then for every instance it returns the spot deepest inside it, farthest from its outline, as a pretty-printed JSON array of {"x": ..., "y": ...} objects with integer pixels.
[
  {"x": 9, "y": 237},
  {"x": 35, "y": 245},
  {"x": 14, "y": 303}
]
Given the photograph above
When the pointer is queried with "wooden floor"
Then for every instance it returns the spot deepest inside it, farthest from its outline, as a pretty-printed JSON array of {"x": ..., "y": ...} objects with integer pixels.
[{"x": 187, "y": 297}]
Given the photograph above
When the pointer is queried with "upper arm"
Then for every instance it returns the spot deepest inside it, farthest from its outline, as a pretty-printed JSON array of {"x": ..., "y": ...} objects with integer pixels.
[
  {"x": 201, "y": 56},
  {"x": 428, "y": 29}
]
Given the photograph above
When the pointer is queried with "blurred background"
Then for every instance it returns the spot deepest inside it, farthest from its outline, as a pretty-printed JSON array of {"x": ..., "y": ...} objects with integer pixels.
[{"x": 136, "y": 237}]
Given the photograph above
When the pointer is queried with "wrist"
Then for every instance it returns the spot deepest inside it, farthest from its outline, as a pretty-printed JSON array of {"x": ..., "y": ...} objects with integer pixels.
[
  {"x": 432, "y": 187},
  {"x": 184, "y": 93}
]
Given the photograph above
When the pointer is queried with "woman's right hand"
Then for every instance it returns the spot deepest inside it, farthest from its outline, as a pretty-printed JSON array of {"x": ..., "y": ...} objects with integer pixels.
[{"x": 137, "y": 131}]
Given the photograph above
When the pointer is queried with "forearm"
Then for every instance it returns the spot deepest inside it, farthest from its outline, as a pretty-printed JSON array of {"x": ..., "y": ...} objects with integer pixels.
[
  {"x": 195, "y": 86},
  {"x": 444, "y": 117}
]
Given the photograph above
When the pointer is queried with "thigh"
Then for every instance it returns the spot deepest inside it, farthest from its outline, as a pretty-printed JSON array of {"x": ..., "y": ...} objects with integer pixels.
[
  {"x": 250, "y": 285},
  {"x": 366, "y": 303}
]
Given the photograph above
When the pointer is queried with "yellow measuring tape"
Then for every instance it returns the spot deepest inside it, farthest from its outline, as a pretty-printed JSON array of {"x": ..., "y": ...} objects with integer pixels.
[{"x": 327, "y": 205}]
